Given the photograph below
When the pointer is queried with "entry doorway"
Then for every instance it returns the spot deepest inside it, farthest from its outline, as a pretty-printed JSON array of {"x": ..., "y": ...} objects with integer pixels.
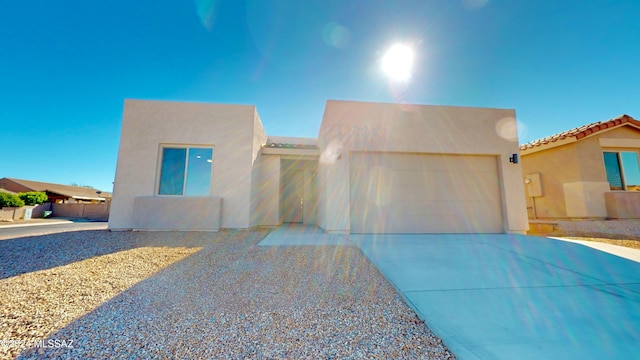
[
  {"x": 298, "y": 191},
  {"x": 293, "y": 196}
]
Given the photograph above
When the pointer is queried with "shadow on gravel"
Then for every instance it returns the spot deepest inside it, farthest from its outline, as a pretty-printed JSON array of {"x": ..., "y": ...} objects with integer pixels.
[{"x": 33, "y": 253}]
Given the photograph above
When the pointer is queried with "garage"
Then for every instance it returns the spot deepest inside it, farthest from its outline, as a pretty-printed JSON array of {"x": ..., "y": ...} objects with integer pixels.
[{"x": 424, "y": 193}]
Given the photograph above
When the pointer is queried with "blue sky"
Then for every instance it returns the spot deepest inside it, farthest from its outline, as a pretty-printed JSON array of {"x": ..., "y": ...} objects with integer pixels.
[{"x": 67, "y": 66}]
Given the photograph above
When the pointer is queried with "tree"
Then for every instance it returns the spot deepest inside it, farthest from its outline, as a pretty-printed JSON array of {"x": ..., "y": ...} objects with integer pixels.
[
  {"x": 84, "y": 186},
  {"x": 10, "y": 200},
  {"x": 33, "y": 197}
]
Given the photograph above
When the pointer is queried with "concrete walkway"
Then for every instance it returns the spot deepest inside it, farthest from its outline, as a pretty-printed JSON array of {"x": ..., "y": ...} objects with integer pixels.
[
  {"x": 302, "y": 235},
  {"x": 27, "y": 223},
  {"x": 514, "y": 296},
  {"x": 625, "y": 252}
]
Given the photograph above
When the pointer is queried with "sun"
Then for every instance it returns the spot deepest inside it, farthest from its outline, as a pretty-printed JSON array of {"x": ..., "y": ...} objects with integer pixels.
[{"x": 397, "y": 62}]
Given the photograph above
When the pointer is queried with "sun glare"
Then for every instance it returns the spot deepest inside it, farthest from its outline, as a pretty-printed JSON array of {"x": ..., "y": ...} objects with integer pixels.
[{"x": 397, "y": 62}]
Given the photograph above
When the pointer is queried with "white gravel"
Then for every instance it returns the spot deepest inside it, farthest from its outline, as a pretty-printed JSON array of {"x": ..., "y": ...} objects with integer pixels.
[
  {"x": 614, "y": 229},
  {"x": 231, "y": 299}
]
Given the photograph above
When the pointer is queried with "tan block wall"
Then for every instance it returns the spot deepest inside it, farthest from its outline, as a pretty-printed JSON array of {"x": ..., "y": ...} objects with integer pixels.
[
  {"x": 85, "y": 211},
  {"x": 68, "y": 210},
  {"x": 39, "y": 209},
  {"x": 13, "y": 213},
  {"x": 10, "y": 213},
  {"x": 232, "y": 130}
]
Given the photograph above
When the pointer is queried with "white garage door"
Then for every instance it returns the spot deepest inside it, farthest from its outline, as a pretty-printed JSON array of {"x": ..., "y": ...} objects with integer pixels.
[{"x": 418, "y": 193}]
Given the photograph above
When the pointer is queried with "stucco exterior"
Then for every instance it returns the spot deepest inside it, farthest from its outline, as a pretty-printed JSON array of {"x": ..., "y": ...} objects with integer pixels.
[
  {"x": 571, "y": 175},
  {"x": 233, "y": 131},
  {"x": 377, "y": 127},
  {"x": 260, "y": 180}
]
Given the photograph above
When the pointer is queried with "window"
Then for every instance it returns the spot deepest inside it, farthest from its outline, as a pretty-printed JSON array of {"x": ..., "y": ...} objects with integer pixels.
[
  {"x": 623, "y": 171},
  {"x": 185, "y": 171}
]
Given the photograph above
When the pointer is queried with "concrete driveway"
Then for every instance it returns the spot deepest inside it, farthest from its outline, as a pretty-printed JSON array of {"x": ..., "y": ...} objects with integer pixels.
[{"x": 514, "y": 296}]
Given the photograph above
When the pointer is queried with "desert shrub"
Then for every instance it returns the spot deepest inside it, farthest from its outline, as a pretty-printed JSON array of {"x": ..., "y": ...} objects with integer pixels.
[
  {"x": 10, "y": 200},
  {"x": 33, "y": 197}
]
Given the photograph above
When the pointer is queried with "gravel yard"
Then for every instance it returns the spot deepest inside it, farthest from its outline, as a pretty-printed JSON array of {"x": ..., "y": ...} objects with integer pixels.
[
  {"x": 617, "y": 232},
  {"x": 200, "y": 295},
  {"x": 610, "y": 229}
]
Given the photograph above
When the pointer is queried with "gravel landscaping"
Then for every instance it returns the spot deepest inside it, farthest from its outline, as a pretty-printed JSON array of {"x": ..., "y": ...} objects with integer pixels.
[
  {"x": 616, "y": 232},
  {"x": 98, "y": 294},
  {"x": 628, "y": 229}
]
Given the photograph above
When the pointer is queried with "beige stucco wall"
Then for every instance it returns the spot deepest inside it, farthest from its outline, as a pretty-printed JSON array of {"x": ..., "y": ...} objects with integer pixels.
[
  {"x": 556, "y": 167},
  {"x": 310, "y": 209},
  {"x": 356, "y": 126},
  {"x": 246, "y": 178},
  {"x": 234, "y": 132},
  {"x": 177, "y": 213},
  {"x": 585, "y": 199},
  {"x": 623, "y": 205},
  {"x": 257, "y": 213},
  {"x": 266, "y": 191},
  {"x": 574, "y": 180}
]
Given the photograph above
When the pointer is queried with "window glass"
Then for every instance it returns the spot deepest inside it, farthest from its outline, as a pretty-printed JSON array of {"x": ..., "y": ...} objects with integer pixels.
[
  {"x": 631, "y": 170},
  {"x": 199, "y": 171},
  {"x": 185, "y": 171},
  {"x": 172, "y": 171}
]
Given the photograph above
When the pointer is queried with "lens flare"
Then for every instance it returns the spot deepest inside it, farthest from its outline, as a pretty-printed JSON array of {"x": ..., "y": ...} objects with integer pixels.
[
  {"x": 207, "y": 12},
  {"x": 510, "y": 129},
  {"x": 336, "y": 35},
  {"x": 332, "y": 153},
  {"x": 397, "y": 62},
  {"x": 474, "y": 4}
]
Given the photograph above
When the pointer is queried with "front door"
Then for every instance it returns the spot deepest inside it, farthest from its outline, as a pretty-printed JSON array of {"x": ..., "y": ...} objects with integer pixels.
[{"x": 293, "y": 196}]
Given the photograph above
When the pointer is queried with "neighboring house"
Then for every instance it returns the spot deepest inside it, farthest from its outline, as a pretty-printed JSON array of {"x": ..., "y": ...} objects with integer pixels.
[
  {"x": 7, "y": 191},
  {"x": 57, "y": 193},
  {"x": 588, "y": 172},
  {"x": 374, "y": 168}
]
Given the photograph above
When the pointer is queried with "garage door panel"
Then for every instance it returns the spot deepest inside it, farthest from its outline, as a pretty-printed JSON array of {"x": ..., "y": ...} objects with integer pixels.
[{"x": 419, "y": 193}]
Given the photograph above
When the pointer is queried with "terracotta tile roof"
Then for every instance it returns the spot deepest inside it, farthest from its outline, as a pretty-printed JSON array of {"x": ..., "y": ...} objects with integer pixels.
[
  {"x": 582, "y": 131},
  {"x": 76, "y": 192},
  {"x": 290, "y": 146}
]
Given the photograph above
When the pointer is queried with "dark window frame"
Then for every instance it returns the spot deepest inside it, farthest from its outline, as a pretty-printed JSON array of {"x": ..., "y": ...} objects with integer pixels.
[{"x": 620, "y": 175}]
